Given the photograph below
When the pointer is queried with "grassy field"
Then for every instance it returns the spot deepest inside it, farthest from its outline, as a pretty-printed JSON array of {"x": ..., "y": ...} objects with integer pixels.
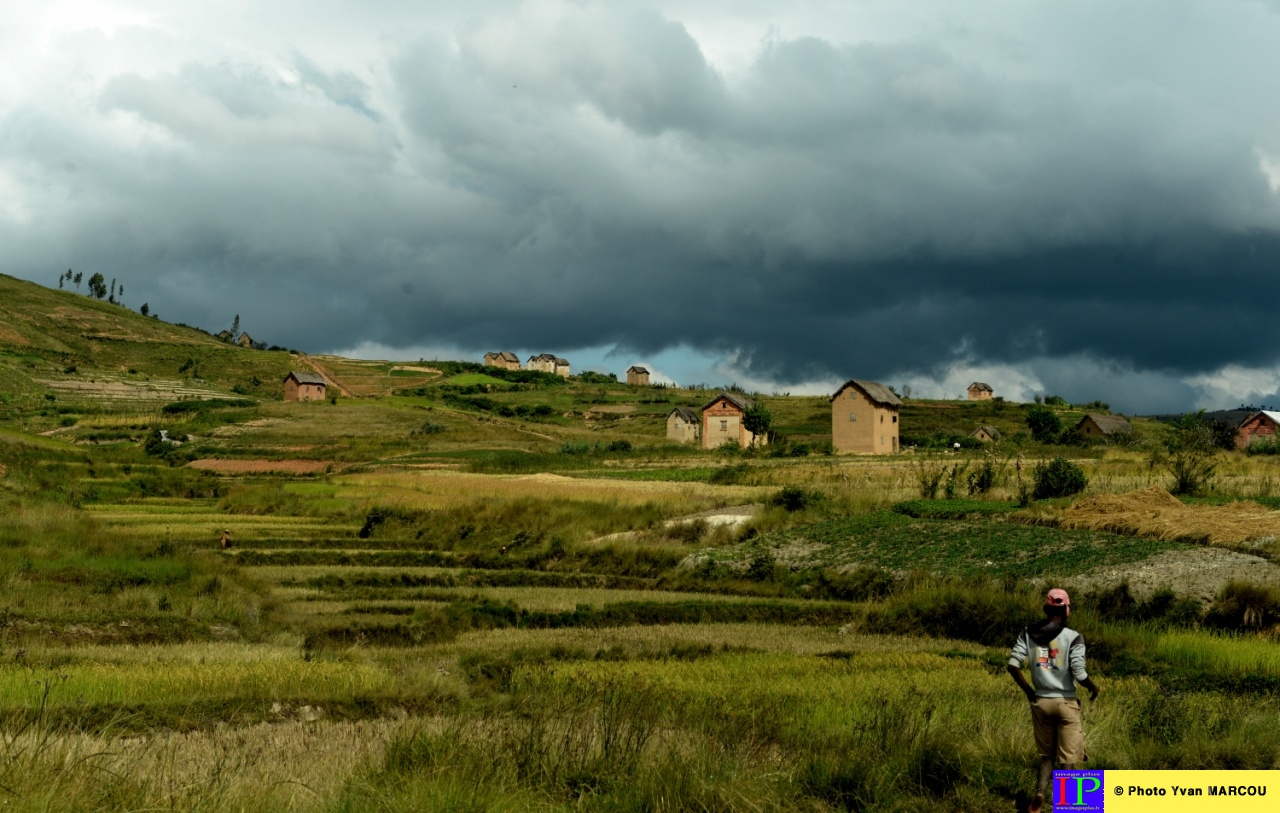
[{"x": 453, "y": 588}]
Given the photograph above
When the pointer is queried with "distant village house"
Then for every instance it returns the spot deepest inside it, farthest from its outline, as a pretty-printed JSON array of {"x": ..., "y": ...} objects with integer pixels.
[
  {"x": 245, "y": 341},
  {"x": 724, "y": 419},
  {"x": 1258, "y": 427},
  {"x": 978, "y": 391},
  {"x": 225, "y": 336},
  {"x": 637, "y": 376},
  {"x": 986, "y": 434},
  {"x": 864, "y": 418},
  {"x": 303, "y": 386},
  {"x": 1101, "y": 427},
  {"x": 505, "y": 360},
  {"x": 683, "y": 425},
  {"x": 547, "y": 363}
]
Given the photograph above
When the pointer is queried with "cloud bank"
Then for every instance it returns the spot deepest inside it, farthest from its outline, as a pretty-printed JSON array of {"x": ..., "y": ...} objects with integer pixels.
[{"x": 1075, "y": 199}]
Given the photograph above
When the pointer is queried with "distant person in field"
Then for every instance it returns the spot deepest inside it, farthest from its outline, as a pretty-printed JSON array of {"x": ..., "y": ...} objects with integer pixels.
[
  {"x": 226, "y": 539},
  {"x": 1056, "y": 653}
]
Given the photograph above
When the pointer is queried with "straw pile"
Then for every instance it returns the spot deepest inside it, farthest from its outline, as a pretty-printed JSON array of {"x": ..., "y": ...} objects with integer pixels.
[{"x": 1156, "y": 514}]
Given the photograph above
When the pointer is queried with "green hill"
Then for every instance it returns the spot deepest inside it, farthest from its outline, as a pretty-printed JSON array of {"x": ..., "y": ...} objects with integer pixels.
[{"x": 61, "y": 346}]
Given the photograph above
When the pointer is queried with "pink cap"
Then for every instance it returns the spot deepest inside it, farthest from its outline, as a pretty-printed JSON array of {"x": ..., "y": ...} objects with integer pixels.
[{"x": 1057, "y": 597}]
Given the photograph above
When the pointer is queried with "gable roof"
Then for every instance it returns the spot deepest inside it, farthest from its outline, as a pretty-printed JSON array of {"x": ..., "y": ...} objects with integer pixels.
[
  {"x": 543, "y": 357},
  {"x": 561, "y": 362},
  {"x": 979, "y": 385},
  {"x": 1274, "y": 416},
  {"x": 991, "y": 431},
  {"x": 634, "y": 368},
  {"x": 306, "y": 378},
  {"x": 1109, "y": 424},
  {"x": 505, "y": 355},
  {"x": 874, "y": 391},
  {"x": 684, "y": 412},
  {"x": 740, "y": 401}
]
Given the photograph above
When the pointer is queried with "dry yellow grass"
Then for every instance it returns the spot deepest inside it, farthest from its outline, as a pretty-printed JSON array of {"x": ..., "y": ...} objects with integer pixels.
[
  {"x": 451, "y": 489},
  {"x": 1155, "y": 514}
]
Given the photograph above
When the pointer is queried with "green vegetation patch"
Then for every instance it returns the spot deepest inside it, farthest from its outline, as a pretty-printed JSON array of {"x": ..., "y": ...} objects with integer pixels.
[
  {"x": 473, "y": 379},
  {"x": 952, "y": 509},
  {"x": 967, "y": 547}
]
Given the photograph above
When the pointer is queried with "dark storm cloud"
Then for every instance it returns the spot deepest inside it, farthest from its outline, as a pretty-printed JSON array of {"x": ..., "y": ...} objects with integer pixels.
[{"x": 587, "y": 177}]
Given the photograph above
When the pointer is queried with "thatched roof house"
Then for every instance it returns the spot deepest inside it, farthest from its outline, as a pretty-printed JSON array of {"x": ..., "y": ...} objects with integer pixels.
[
  {"x": 637, "y": 376},
  {"x": 986, "y": 434},
  {"x": 1099, "y": 427}
]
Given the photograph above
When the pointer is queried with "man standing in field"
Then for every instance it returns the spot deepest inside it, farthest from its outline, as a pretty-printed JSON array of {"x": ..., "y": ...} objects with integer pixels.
[{"x": 1056, "y": 653}]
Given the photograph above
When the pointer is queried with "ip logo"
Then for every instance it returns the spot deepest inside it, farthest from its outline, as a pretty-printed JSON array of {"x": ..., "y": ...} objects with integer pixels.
[{"x": 1078, "y": 791}]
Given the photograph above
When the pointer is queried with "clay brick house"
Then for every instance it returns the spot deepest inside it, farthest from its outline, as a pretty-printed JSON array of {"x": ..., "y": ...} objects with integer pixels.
[
  {"x": 543, "y": 363},
  {"x": 864, "y": 418},
  {"x": 562, "y": 367},
  {"x": 1100, "y": 427},
  {"x": 225, "y": 336},
  {"x": 637, "y": 376},
  {"x": 1258, "y": 427},
  {"x": 505, "y": 360},
  {"x": 245, "y": 341},
  {"x": 304, "y": 386},
  {"x": 978, "y": 391},
  {"x": 723, "y": 419},
  {"x": 986, "y": 434},
  {"x": 683, "y": 425}
]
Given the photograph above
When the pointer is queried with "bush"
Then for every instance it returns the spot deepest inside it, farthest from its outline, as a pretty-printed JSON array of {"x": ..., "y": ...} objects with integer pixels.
[
  {"x": 1058, "y": 478},
  {"x": 1188, "y": 455},
  {"x": 1044, "y": 423},
  {"x": 428, "y": 428},
  {"x": 794, "y": 498}
]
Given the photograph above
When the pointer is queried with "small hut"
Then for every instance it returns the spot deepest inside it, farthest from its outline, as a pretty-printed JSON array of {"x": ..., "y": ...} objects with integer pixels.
[
  {"x": 1102, "y": 427},
  {"x": 986, "y": 434},
  {"x": 637, "y": 376},
  {"x": 304, "y": 386},
  {"x": 245, "y": 341}
]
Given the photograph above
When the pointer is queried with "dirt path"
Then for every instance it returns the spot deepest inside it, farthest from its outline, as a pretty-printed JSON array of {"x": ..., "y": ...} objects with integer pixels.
[
  {"x": 1198, "y": 573},
  {"x": 328, "y": 376}
]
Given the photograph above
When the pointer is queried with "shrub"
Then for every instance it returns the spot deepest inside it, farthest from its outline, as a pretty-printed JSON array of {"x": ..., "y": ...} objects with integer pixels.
[
  {"x": 1044, "y": 423},
  {"x": 794, "y": 498},
  {"x": 1188, "y": 455},
  {"x": 1058, "y": 478},
  {"x": 428, "y": 428}
]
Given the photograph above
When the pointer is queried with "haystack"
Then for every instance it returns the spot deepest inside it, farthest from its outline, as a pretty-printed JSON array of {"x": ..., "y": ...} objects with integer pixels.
[{"x": 1156, "y": 514}]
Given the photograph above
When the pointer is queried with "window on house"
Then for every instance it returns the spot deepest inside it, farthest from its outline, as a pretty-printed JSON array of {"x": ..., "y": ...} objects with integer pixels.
[
  {"x": 853, "y": 416},
  {"x": 724, "y": 426},
  {"x": 881, "y": 419},
  {"x": 895, "y": 418}
]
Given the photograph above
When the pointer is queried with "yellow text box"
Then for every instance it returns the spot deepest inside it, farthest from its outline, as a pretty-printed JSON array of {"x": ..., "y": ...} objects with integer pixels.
[{"x": 1174, "y": 791}]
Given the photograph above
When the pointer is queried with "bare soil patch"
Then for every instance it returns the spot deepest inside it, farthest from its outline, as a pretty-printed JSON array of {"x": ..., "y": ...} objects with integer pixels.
[
  {"x": 219, "y": 466},
  {"x": 1199, "y": 573}
]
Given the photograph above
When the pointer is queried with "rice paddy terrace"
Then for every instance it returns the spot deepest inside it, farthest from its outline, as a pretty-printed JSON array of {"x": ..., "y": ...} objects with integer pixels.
[{"x": 448, "y": 589}]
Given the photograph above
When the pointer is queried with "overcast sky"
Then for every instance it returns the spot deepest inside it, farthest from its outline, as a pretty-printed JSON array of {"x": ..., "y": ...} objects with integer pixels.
[{"x": 1068, "y": 197}]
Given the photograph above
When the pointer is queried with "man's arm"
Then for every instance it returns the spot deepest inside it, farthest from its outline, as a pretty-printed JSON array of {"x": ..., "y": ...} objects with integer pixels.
[
  {"x": 1016, "y": 658},
  {"x": 1076, "y": 658},
  {"x": 1021, "y": 680}
]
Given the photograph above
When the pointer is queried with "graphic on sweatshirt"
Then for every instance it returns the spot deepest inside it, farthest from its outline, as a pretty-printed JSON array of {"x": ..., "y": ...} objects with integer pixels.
[{"x": 1047, "y": 657}]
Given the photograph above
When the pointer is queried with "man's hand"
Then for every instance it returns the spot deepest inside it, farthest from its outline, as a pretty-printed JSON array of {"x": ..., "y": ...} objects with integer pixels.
[
  {"x": 1031, "y": 694},
  {"x": 1092, "y": 687}
]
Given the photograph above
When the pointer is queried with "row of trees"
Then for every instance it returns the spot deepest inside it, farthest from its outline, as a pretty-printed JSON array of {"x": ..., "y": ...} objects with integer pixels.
[{"x": 97, "y": 286}]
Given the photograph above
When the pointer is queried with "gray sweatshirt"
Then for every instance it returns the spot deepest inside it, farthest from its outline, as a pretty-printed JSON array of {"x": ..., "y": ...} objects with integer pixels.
[{"x": 1057, "y": 659}]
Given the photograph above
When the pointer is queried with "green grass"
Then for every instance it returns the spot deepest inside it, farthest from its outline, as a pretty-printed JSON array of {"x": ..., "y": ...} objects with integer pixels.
[
  {"x": 967, "y": 547},
  {"x": 471, "y": 379}
]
